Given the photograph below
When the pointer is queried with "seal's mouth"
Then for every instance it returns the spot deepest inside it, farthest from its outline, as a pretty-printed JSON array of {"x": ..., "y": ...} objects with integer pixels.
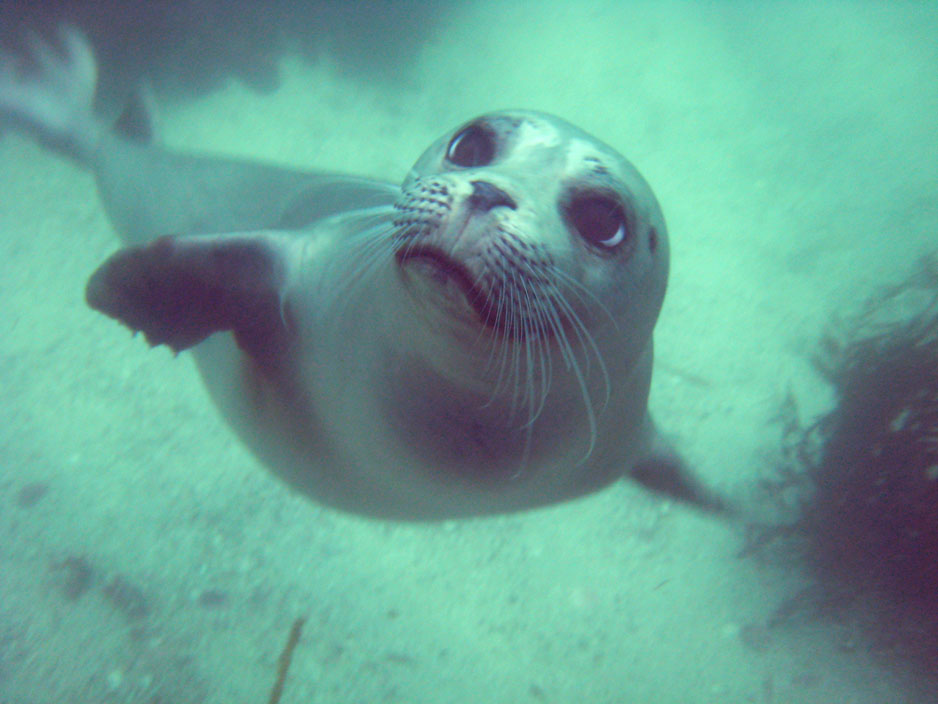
[{"x": 435, "y": 265}]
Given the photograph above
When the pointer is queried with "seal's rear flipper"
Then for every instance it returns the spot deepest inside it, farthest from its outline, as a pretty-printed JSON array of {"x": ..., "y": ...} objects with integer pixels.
[
  {"x": 51, "y": 96},
  {"x": 665, "y": 472},
  {"x": 178, "y": 291}
]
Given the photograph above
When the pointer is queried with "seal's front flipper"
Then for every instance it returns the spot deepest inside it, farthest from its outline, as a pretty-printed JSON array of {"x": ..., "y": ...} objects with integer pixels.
[
  {"x": 178, "y": 291},
  {"x": 666, "y": 473}
]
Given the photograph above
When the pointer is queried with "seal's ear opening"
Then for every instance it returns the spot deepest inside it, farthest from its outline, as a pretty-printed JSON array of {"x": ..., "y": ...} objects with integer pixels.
[{"x": 865, "y": 523}]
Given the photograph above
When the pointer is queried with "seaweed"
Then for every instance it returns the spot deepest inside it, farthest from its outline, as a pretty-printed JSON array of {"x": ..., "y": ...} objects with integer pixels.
[
  {"x": 286, "y": 657},
  {"x": 856, "y": 492}
]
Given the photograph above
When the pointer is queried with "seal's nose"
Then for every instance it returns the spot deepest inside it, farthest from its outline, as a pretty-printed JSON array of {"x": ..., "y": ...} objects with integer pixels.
[{"x": 486, "y": 196}]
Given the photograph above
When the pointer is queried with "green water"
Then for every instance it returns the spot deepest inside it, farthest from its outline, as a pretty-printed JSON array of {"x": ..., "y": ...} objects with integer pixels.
[{"x": 146, "y": 556}]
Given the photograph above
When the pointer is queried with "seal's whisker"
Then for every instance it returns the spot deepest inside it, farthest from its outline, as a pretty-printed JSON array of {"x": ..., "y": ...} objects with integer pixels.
[
  {"x": 543, "y": 367},
  {"x": 584, "y": 295},
  {"x": 522, "y": 331},
  {"x": 586, "y": 338},
  {"x": 570, "y": 359},
  {"x": 370, "y": 248},
  {"x": 517, "y": 337},
  {"x": 374, "y": 226},
  {"x": 497, "y": 346},
  {"x": 530, "y": 342},
  {"x": 518, "y": 330},
  {"x": 535, "y": 330},
  {"x": 587, "y": 343}
]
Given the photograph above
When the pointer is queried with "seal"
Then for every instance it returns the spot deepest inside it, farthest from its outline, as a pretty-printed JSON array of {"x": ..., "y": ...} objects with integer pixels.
[{"x": 475, "y": 341}]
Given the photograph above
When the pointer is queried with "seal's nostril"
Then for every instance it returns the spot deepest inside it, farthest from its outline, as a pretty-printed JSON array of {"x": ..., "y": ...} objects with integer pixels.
[{"x": 486, "y": 196}]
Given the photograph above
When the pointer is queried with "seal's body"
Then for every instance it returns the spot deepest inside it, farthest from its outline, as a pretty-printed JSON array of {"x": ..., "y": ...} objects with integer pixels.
[{"x": 476, "y": 341}]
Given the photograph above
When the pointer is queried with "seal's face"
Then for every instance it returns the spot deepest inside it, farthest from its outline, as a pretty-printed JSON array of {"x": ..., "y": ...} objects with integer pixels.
[
  {"x": 538, "y": 255},
  {"x": 522, "y": 225}
]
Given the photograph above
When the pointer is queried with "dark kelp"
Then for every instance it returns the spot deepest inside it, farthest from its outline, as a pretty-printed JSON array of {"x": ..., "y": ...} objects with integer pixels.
[{"x": 856, "y": 492}]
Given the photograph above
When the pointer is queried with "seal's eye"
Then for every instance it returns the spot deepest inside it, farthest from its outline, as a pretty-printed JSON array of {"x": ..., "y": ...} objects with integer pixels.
[
  {"x": 599, "y": 220},
  {"x": 472, "y": 146}
]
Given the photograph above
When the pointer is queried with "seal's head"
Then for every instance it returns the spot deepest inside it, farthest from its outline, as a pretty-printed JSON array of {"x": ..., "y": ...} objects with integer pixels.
[{"x": 523, "y": 230}]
